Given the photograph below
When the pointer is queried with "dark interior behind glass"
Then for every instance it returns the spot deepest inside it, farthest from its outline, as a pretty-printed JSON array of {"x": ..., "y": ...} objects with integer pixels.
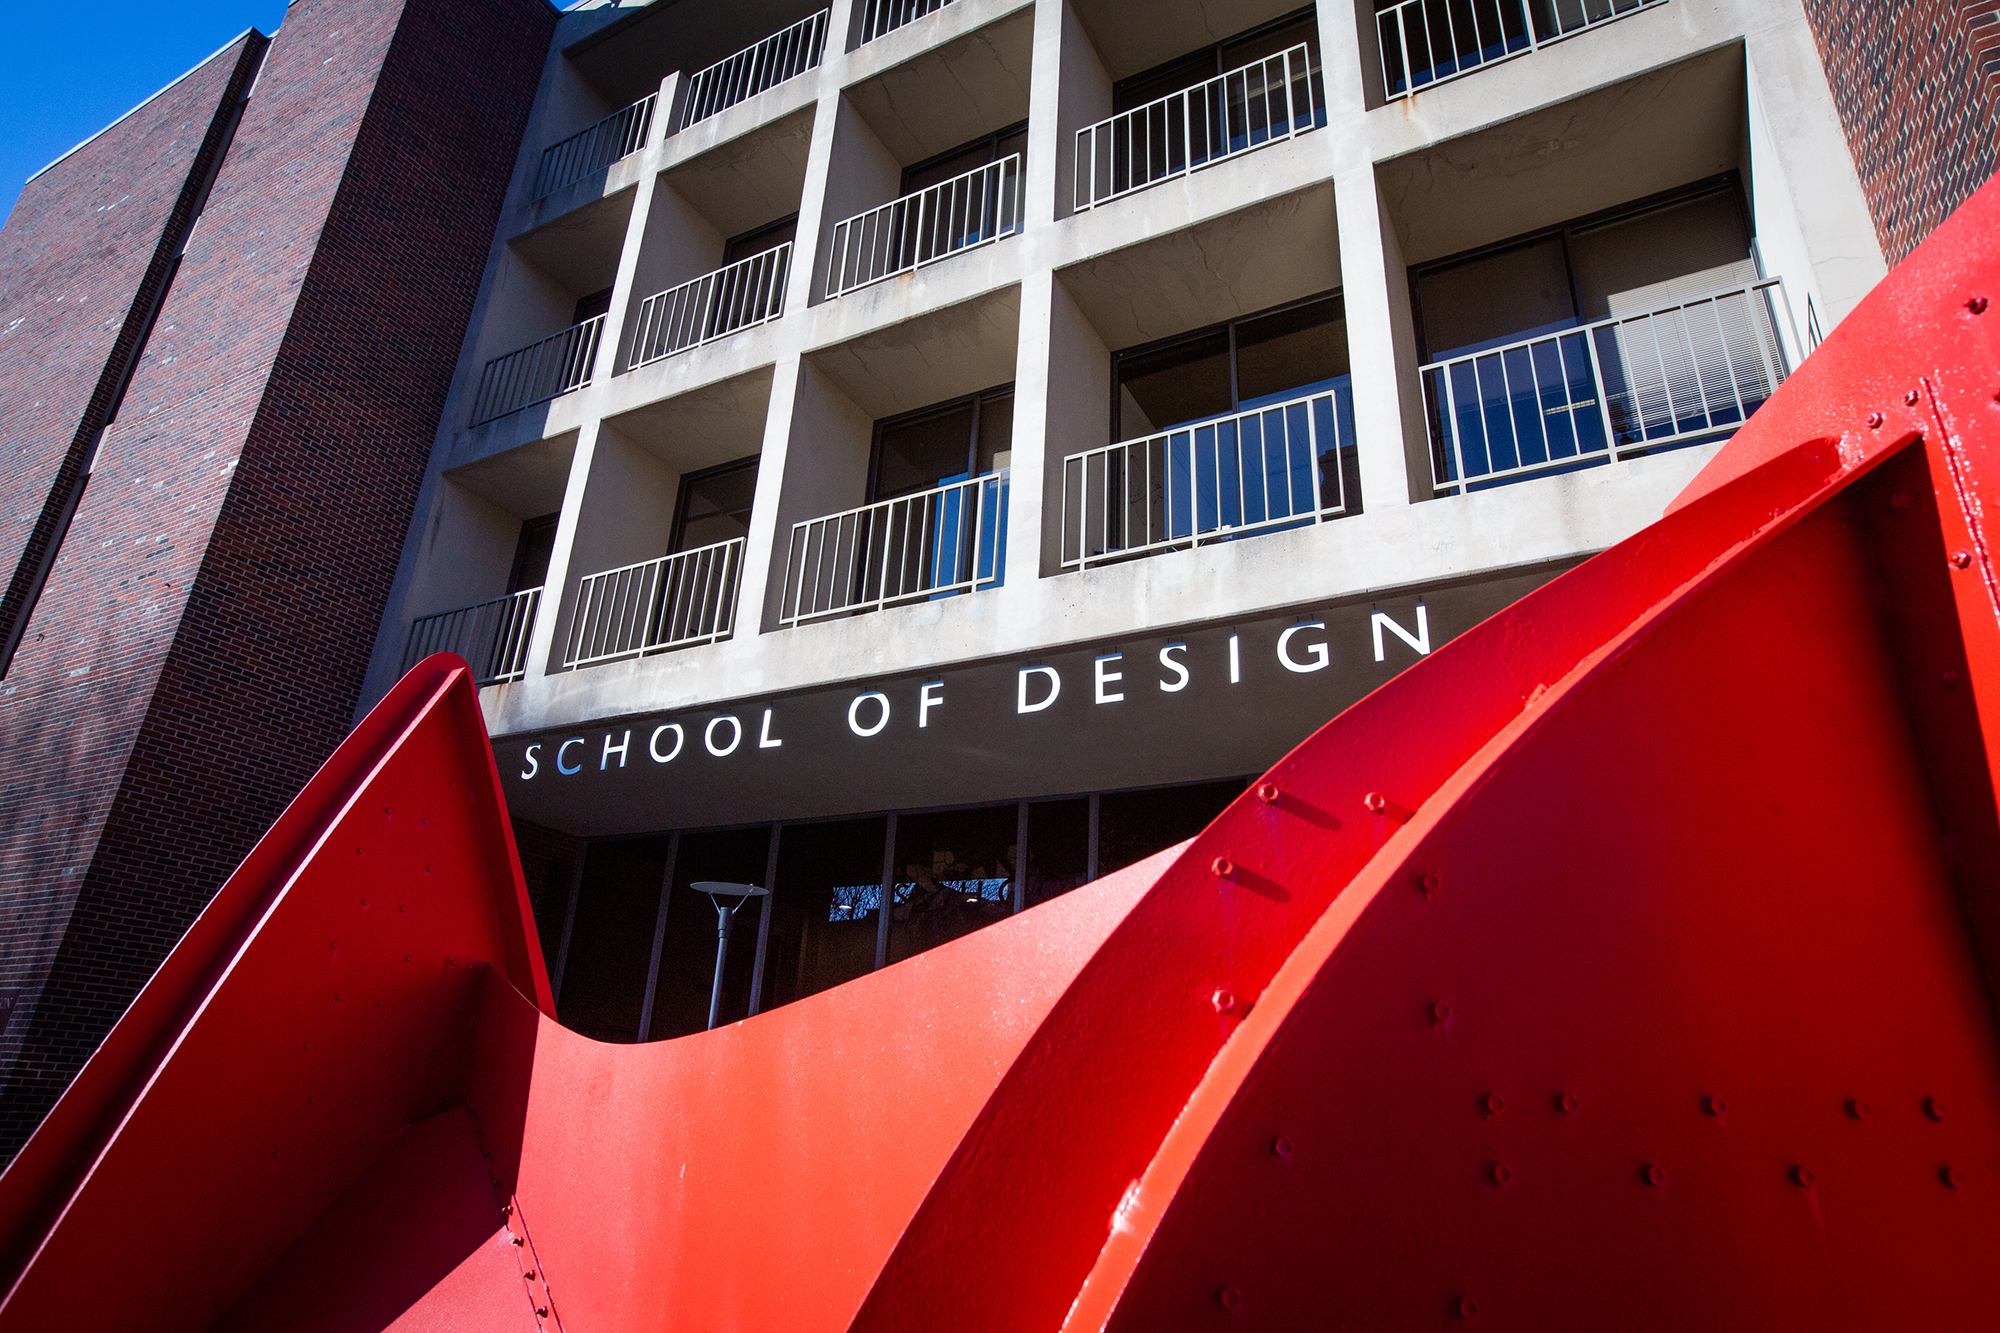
[{"x": 715, "y": 505}]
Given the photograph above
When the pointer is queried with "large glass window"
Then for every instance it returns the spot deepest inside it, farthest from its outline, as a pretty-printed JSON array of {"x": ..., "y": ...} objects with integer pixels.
[
  {"x": 949, "y": 442},
  {"x": 714, "y": 505},
  {"x": 532, "y": 553},
  {"x": 1627, "y": 261},
  {"x": 1208, "y": 62},
  {"x": 986, "y": 149},
  {"x": 949, "y": 873},
  {"x": 1260, "y": 359}
]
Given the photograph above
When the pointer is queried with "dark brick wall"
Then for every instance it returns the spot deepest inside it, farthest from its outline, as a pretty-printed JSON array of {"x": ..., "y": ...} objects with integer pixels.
[
  {"x": 549, "y": 860},
  {"x": 1914, "y": 81},
  {"x": 84, "y": 255},
  {"x": 201, "y": 644}
]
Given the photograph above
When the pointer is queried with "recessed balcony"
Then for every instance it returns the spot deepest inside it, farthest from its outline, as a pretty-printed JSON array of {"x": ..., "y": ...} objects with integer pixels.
[
  {"x": 715, "y": 305},
  {"x": 1426, "y": 42},
  {"x": 542, "y": 370},
  {"x": 1611, "y": 389},
  {"x": 973, "y": 209},
  {"x": 676, "y": 601},
  {"x": 492, "y": 636},
  {"x": 619, "y": 135},
  {"x": 940, "y": 542},
  {"x": 781, "y": 57}
]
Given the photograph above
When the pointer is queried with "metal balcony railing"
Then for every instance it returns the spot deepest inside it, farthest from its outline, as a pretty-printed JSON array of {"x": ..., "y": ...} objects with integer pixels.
[
  {"x": 1268, "y": 100},
  {"x": 675, "y": 601},
  {"x": 948, "y": 540},
  {"x": 1429, "y": 41},
  {"x": 492, "y": 636},
  {"x": 882, "y": 16},
  {"x": 980, "y": 206},
  {"x": 619, "y": 134},
  {"x": 1257, "y": 471},
  {"x": 1606, "y": 390},
  {"x": 538, "y": 372},
  {"x": 781, "y": 56},
  {"x": 712, "y": 306}
]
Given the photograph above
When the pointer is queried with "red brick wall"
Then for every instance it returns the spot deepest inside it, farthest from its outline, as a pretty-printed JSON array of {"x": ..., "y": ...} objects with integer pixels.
[
  {"x": 1914, "y": 83},
  {"x": 82, "y": 259},
  {"x": 201, "y": 644}
]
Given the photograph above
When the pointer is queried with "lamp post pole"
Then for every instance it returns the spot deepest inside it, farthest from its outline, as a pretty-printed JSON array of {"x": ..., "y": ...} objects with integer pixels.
[{"x": 725, "y": 917}]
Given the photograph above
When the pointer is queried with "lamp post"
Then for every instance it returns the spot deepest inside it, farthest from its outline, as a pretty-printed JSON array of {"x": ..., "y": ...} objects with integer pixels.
[{"x": 725, "y": 917}]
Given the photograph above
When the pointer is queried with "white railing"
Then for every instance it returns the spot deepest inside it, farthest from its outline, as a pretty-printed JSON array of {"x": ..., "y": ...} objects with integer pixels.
[
  {"x": 491, "y": 635},
  {"x": 1268, "y": 100},
  {"x": 619, "y": 134},
  {"x": 750, "y": 291},
  {"x": 1606, "y": 390},
  {"x": 1429, "y": 41},
  {"x": 1271, "y": 467},
  {"x": 980, "y": 206},
  {"x": 538, "y": 372},
  {"x": 781, "y": 56},
  {"x": 881, "y": 16},
  {"x": 950, "y": 539},
  {"x": 673, "y": 602}
]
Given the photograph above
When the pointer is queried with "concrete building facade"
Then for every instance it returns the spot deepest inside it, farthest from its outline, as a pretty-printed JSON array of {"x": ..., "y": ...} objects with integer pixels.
[{"x": 910, "y": 456}]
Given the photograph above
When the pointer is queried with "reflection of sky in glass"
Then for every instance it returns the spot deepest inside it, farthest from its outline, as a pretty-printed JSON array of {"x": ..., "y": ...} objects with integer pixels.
[{"x": 852, "y": 902}]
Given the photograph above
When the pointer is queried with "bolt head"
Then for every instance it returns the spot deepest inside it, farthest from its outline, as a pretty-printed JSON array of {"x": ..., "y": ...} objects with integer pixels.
[
  {"x": 1874, "y": 421},
  {"x": 1223, "y": 867},
  {"x": 1493, "y": 1103},
  {"x": 1281, "y": 1147},
  {"x": 1655, "y": 1175},
  {"x": 1949, "y": 678},
  {"x": 1961, "y": 559},
  {"x": 1950, "y": 1178},
  {"x": 1933, "y": 1108},
  {"x": 1802, "y": 1176},
  {"x": 1229, "y": 1298},
  {"x": 1376, "y": 802},
  {"x": 1910, "y": 398},
  {"x": 1858, "y": 1108},
  {"x": 1568, "y": 1103},
  {"x": 1223, "y": 1000},
  {"x": 1501, "y": 1173},
  {"x": 1467, "y": 1308},
  {"x": 1429, "y": 882},
  {"x": 1714, "y": 1105},
  {"x": 1976, "y": 304},
  {"x": 1267, "y": 792},
  {"x": 1440, "y": 1012}
]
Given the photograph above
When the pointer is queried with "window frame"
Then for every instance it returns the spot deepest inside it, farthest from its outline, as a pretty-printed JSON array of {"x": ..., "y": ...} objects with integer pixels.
[{"x": 976, "y": 401}]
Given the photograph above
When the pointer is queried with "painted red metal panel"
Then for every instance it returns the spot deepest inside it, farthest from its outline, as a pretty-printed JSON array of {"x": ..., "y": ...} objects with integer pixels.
[{"x": 1628, "y": 962}]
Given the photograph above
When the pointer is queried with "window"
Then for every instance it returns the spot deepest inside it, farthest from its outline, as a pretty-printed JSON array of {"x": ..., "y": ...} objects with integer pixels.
[
  {"x": 1642, "y": 257},
  {"x": 935, "y": 445},
  {"x": 1265, "y": 40},
  {"x": 760, "y": 239},
  {"x": 591, "y": 306},
  {"x": 532, "y": 553},
  {"x": 986, "y": 149},
  {"x": 714, "y": 505},
  {"x": 1261, "y": 359}
]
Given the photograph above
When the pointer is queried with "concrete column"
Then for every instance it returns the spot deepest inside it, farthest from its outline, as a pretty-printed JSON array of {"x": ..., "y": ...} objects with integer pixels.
[
  {"x": 1027, "y": 509},
  {"x": 1381, "y": 346},
  {"x": 608, "y": 348},
  {"x": 1044, "y": 122},
  {"x": 542, "y": 642},
  {"x": 807, "y": 240},
  {"x": 763, "y": 549}
]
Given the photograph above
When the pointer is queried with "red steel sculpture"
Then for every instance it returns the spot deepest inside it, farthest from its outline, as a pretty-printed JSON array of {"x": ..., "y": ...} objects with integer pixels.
[{"x": 1627, "y": 963}]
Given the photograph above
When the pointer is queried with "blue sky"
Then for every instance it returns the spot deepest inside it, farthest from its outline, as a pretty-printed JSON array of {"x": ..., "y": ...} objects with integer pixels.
[{"x": 68, "y": 72}]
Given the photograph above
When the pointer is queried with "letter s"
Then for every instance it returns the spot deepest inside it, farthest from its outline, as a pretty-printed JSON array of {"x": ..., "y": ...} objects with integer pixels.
[
  {"x": 534, "y": 764},
  {"x": 1174, "y": 666}
]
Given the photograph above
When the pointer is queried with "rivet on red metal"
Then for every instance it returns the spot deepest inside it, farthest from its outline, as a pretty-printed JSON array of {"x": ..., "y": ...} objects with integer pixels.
[
  {"x": 1428, "y": 882},
  {"x": 1655, "y": 1175},
  {"x": 1223, "y": 866},
  {"x": 1714, "y": 1105},
  {"x": 1933, "y": 1108},
  {"x": 1229, "y": 1298},
  {"x": 1977, "y": 305},
  {"x": 1223, "y": 1001},
  {"x": 1950, "y": 1178},
  {"x": 1568, "y": 1103},
  {"x": 1440, "y": 1012},
  {"x": 1961, "y": 559},
  {"x": 1910, "y": 398},
  {"x": 1267, "y": 792},
  {"x": 1494, "y": 1103},
  {"x": 1858, "y": 1108},
  {"x": 1281, "y": 1147},
  {"x": 1802, "y": 1176},
  {"x": 1468, "y": 1308},
  {"x": 1376, "y": 802},
  {"x": 1501, "y": 1173}
]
